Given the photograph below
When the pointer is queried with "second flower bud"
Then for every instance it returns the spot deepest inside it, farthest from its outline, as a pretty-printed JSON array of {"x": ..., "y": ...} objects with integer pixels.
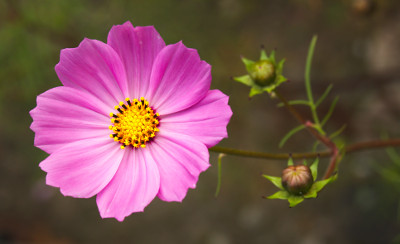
[{"x": 297, "y": 179}]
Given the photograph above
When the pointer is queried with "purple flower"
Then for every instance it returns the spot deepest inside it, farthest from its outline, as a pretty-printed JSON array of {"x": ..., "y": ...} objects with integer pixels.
[{"x": 132, "y": 121}]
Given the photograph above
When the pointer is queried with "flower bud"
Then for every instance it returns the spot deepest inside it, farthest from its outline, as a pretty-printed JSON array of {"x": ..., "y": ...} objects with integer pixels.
[
  {"x": 262, "y": 72},
  {"x": 297, "y": 179}
]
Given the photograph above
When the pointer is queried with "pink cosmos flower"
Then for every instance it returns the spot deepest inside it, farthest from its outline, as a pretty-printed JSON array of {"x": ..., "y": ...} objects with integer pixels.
[{"x": 132, "y": 121}]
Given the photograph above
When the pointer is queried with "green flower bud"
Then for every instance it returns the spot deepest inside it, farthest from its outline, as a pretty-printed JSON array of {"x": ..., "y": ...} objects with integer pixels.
[
  {"x": 264, "y": 75},
  {"x": 262, "y": 72},
  {"x": 297, "y": 179}
]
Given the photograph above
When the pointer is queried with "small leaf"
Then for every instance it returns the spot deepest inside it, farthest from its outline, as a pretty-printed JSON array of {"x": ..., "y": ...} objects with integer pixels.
[
  {"x": 245, "y": 79},
  {"x": 290, "y": 134},
  {"x": 314, "y": 168},
  {"x": 338, "y": 132},
  {"x": 295, "y": 102},
  {"x": 220, "y": 156},
  {"x": 393, "y": 155},
  {"x": 388, "y": 174},
  {"x": 330, "y": 111},
  {"x": 316, "y": 143},
  {"x": 308, "y": 69},
  {"x": 279, "y": 195},
  {"x": 322, "y": 98},
  {"x": 277, "y": 181},
  {"x": 294, "y": 200}
]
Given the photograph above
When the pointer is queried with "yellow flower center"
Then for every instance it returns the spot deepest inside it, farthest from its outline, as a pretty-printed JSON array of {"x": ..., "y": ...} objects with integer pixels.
[{"x": 135, "y": 123}]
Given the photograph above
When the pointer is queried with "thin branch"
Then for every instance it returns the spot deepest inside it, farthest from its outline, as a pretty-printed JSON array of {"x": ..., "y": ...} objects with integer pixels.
[
  {"x": 301, "y": 120},
  {"x": 318, "y": 134},
  {"x": 278, "y": 156},
  {"x": 356, "y": 147},
  {"x": 373, "y": 145}
]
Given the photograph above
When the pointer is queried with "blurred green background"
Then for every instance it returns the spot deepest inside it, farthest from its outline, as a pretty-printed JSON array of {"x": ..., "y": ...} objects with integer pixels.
[{"x": 358, "y": 52}]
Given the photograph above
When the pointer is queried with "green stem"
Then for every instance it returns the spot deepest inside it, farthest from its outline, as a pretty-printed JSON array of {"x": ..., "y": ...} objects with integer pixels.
[
  {"x": 308, "y": 80},
  {"x": 375, "y": 144},
  {"x": 253, "y": 154},
  {"x": 316, "y": 131}
]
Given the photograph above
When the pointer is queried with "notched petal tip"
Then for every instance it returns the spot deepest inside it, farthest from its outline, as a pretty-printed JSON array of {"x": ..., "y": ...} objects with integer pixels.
[{"x": 126, "y": 23}]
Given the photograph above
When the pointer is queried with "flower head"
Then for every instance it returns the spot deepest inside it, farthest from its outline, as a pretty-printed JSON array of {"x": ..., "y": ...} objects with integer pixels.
[
  {"x": 298, "y": 182},
  {"x": 297, "y": 179},
  {"x": 132, "y": 121},
  {"x": 264, "y": 75}
]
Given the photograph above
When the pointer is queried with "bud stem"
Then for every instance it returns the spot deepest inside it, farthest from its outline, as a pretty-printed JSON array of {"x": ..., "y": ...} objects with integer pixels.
[
  {"x": 356, "y": 147},
  {"x": 318, "y": 134}
]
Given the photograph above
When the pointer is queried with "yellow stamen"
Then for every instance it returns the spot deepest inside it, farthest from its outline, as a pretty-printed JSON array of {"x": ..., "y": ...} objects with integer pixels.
[{"x": 134, "y": 124}]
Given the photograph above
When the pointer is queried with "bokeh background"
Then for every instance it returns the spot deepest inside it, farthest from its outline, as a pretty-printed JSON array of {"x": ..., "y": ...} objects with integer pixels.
[{"x": 358, "y": 51}]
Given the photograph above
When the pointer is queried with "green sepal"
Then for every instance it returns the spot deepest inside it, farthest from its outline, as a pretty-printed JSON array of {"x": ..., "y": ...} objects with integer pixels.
[
  {"x": 314, "y": 169},
  {"x": 264, "y": 56},
  {"x": 277, "y": 181},
  {"x": 279, "y": 80},
  {"x": 280, "y": 195},
  {"x": 279, "y": 67},
  {"x": 255, "y": 90},
  {"x": 275, "y": 84},
  {"x": 311, "y": 193},
  {"x": 290, "y": 161},
  {"x": 245, "y": 79},
  {"x": 318, "y": 186},
  {"x": 272, "y": 57},
  {"x": 247, "y": 63},
  {"x": 294, "y": 200}
]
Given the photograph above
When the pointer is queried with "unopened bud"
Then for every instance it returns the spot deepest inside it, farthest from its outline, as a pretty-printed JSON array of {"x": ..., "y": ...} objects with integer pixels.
[
  {"x": 297, "y": 179},
  {"x": 262, "y": 72}
]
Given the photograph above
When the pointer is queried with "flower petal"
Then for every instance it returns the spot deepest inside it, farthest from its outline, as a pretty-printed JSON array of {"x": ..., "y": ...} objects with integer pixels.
[
  {"x": 133, "y": 187},
  {"x": 64, "y": 115},
  {"x": 180, "y": 160},
  {"x": 83, "y": 168},
  {"x": 179, "y": 79},
  {"x": 137, "y": 48},
  {"x": 96, "y": 68},
  {"x": 206, "y": 120}
]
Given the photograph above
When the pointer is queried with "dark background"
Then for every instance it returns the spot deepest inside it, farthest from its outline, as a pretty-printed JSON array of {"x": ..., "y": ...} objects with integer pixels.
[{"x": 358, "y": 52}]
